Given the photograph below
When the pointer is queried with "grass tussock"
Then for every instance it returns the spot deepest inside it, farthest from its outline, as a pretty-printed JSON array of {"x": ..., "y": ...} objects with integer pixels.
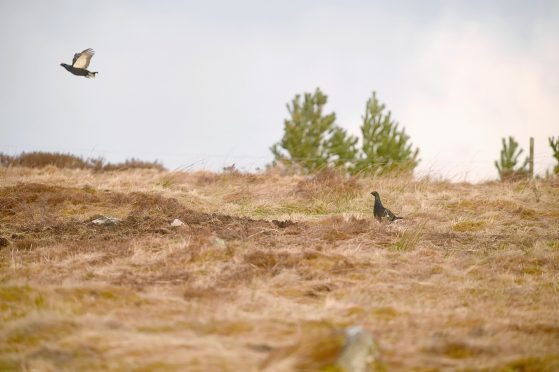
[
  {"x": 409, "y": 238},
  {"x": 267, "y": 268},
  {"x": 469, "y": 226}
]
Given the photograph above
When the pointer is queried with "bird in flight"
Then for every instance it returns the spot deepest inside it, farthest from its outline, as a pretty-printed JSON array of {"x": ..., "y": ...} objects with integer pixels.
[
  {"x": 80, "y": 63},
  {"x": 381, "y": 212}
]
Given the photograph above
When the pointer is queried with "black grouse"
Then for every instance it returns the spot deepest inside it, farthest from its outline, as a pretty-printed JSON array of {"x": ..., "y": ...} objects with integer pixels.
[
  {"x": 381, "y": 212},
  {"x": 80, "y": 63}
]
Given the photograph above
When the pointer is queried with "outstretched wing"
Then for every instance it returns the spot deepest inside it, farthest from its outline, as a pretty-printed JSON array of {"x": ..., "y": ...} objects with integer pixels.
[{"x": 81, "y": 60}]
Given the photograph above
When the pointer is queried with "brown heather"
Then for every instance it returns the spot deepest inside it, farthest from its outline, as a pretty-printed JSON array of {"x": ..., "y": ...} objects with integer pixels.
[
  {"x": 40, "y": 159},
  {"x": 268, "y": 267}
]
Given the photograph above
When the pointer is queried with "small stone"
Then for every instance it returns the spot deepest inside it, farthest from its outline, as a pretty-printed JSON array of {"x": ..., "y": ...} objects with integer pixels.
[
  {"x": 220, "y": 243},
  {"x": 105, "y": 221},
  {"x": 176, "y": 223},
  {"x": 4, "y": 242}
]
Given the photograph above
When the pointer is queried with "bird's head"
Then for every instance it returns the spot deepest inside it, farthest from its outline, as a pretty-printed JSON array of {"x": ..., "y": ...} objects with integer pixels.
[
  {"x": 375, "y": 194},
  {"x": 63, "y": 65}
]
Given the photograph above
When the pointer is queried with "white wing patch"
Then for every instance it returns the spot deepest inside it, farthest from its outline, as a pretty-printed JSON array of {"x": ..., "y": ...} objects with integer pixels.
[{"x": 81, "y": 60}]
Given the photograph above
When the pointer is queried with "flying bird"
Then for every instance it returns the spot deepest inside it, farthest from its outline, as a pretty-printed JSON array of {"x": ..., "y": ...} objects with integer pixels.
[
  {"x": 80, "y": 63},
  {"x": 381, "y": 212}
]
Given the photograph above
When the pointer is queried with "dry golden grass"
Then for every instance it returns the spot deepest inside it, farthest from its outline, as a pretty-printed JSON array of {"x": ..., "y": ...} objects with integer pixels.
[{"x": 268, "y": 267}]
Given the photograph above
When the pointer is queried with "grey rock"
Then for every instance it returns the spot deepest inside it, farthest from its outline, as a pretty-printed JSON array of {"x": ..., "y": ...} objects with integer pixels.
[
  {"x": 106, "y": 221},
  {"x": 176, "y": 223},
  {"x": 220, "y": 243},
  {"x": 360, "y": 352}
]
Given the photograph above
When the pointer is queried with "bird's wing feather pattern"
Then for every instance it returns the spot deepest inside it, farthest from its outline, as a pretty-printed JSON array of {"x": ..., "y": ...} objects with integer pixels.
[
  {"x": 81, "y": 60},
  {"x": 391, "y": 216}
]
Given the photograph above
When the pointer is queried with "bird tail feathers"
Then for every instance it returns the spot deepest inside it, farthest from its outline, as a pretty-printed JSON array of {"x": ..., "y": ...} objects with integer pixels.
[{"x": 91, "y": 75}]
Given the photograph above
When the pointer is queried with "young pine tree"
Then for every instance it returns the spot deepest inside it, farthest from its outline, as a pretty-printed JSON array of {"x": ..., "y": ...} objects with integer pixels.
[
  {"x": 554, "y": 144},
  {"x": 311, "y": 140},
  {"x": 507, "y": 164},
  {"x": 384, "y": 146}
]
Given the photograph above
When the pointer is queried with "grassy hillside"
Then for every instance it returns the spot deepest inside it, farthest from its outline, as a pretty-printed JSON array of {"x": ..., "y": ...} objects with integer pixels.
[{"x": 267, "y": 265}]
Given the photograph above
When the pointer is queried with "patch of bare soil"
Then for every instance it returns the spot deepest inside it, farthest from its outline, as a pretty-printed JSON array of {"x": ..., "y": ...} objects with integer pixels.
[{"x": 33, "y": 214}]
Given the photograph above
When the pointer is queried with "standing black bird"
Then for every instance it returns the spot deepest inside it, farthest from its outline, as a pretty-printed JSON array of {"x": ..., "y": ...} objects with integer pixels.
[
  {"x": 381, "y": 212},
  {"x": 80, "y": 63}
]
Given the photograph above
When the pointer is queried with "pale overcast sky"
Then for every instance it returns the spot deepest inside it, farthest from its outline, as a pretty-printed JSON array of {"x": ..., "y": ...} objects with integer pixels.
[{"x": 208, "y": 81}]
